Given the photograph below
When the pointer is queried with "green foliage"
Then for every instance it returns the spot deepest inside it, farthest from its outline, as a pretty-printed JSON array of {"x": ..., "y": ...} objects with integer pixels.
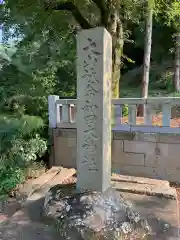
[
  {"x": 41, "y": 61},
  {"x": 10, "y": 177},
  {"x": 20, "y": 147},
  {"x": 173, "y": 13},
  {"x": 166, "y": 81},
  {"x": 30, "y": 74},
  {"x": 125, "y": 110},
  {"x": 175, "y": 94}
]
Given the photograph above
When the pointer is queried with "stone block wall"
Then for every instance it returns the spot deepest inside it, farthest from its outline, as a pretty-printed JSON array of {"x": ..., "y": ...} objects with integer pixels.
[{"x": 146, "y": 155}]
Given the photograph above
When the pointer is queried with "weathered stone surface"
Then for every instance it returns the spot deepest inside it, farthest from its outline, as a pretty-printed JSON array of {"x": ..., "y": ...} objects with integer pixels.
[
  {"x": 121, "y": 157},
  {"x": 161, "y": 156},
  {"x": 146, "y": 137},
  {"x": 139, "y": 147},
  {"x": 64, "y": 155},
  {"x": 28, "y": 188},
  {"x": 94, "y": 68},
  {"x": 161, "y": 214},
  {"x": 139, "y": 180},
  {"x": 147, "y": 189},
  {"x": 123, "y": 135},
  {"x": 89, "y": 215},
  {"x": 169, "y": 138},
  {"x": 143, "y": 171},
  {"x": 139, "y": 158},
  {"x": 173, "y": 175},
  {"x": 70, "y": 133}
]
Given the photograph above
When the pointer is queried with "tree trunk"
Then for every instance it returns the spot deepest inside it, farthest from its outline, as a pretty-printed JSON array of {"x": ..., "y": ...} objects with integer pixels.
[
  {"x": 147, "y": 57},
  {"x": 110, "y": 19},
  {"x": 115, "y": 28},
  {"x": 117, "y": 56},
  {"x": 177, "y": 64}
]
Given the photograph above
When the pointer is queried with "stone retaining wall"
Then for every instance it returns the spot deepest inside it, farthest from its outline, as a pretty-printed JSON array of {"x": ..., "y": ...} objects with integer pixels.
[{"x": 146, "y": 155}]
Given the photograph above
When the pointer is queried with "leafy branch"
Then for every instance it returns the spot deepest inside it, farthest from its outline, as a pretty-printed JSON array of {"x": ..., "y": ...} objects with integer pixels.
[{"x": 69, "y": 6}]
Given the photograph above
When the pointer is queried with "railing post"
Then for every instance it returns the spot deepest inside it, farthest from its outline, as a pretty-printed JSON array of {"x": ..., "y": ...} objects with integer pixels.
[
  {"x": 166, "y": 120},
  {"x": 118, "y": 114},
  {"x": 148, "y": 114},
  {"x": 54, "y": 114},
  {"x": 72, "y": 113},
  {"x": 65, "y": 113},
  {"x": 132, "y": 113}
]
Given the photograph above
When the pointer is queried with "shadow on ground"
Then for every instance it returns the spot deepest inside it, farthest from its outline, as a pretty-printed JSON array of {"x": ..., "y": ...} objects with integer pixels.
[{"x": 29, "y": 223}]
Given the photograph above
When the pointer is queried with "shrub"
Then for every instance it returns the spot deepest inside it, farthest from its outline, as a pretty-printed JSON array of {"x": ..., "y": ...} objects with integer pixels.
[{"x": 20, "y": 146}]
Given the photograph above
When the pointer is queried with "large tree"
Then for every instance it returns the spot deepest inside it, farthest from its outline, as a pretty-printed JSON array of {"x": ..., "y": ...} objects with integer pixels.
[
  {"x": 147, "y": 53},
  {"x": 147, "y": 48},
  {"x": 171, "y": 12},
  {"x": 176, "y": 77},
  {"x": 111, "y": 18},
  {"x": 174, "y": 14},
  {"x": 53, "y": 15}
]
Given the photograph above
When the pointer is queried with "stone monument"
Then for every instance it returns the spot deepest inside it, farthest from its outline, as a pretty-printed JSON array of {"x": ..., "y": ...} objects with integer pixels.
[
  {"x": 91, "y": 209},
  {"x": 94, "y": 70}
]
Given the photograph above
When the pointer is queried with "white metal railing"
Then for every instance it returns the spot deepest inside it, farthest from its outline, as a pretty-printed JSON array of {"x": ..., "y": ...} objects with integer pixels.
[{"x": 62, "y": 114}]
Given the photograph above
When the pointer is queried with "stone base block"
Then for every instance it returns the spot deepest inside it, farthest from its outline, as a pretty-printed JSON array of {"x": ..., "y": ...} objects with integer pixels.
[{"x": 93, "y": 215}]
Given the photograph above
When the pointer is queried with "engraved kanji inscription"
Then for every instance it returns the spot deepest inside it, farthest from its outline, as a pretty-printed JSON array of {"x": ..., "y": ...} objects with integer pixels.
[{"x": 90, "y": 109}]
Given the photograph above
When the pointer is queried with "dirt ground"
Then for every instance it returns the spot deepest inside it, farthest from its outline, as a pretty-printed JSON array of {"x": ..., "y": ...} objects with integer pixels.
[
  {"x": 178, "y": 202},
  {"x": 24, "y": 226}
]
